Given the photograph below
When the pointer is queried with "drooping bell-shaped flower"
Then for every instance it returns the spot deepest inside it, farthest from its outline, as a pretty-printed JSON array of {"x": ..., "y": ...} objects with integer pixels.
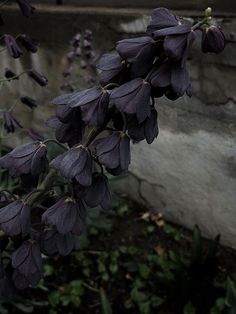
[
  {"x": 133, "y": 98},
  {"x": 148, "y": 129},
  {"x": 93, "y": 103},
  {"x": 70, "y": 132},
  {"x": 177, "y": 41},
  {"x": 26, "y": 159},
  {"x": 15, "y": 218},
  {"x": 140, "y": 52},
  {"x": 53, "y": 242},
  {"x": 27, "y": 264},
  {"x": 112, "y": 69},
  {"x": 161, "y": 18},
  {"x": 67, "y": 215},
  {"x": 75, "y": 164},
  {"x": 171, "y": 76},
  {"x": 98, "y": 193},
  {"x": 113, "y": 151},
  {"x": 9, "y": 122}
]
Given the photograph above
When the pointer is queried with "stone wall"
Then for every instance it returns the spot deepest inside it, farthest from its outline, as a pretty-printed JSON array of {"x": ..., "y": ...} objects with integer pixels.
[{"x": 189, "y": 172}]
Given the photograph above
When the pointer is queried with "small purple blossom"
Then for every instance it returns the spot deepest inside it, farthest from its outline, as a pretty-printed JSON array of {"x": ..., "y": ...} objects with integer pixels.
[
  {"x": 13, "y": 49},
  {"x": 9, "y": 122}
]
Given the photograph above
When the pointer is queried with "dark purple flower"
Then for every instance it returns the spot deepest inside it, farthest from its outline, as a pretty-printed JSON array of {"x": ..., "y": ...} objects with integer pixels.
[
  {"x": 148, "y": 129},
  {"x": 130, "y": 49},
  {"x": 140, "y": 52},
  {"x": 52, "y": 242},
  {"x": 29, "y": 44},
  {"x": 94, "y": 112},
  {"x": 12, "y": 46},
  {"x": 37, "y": 77},
  {"x": 68, "y": 124},
  {"x": 161, "y": 18},
  {"x": 171, "y": 78},
  {"x": 9, "y": 74},
  {"x": 67, "y": 215},
  {"x": 113, "y": 151},
  {"x": 30, "y": 102},
  {"x": 75, "y": 164},
  {"x": 213, "y": 39},
  {"x": 9, "y": 122},
  {"x": 112, "y": 69},
  {"x": 177, "y": 41},
  {"x": 26, "y": 159},
  {"x": 78, "y": 52},
  {"x": 98, "y": 193},
  {"x": 86, "y": 44},
  {"x": 88, "y": 34},
  {"x": 76, "y": 40},
  {"x": 133, "y": 98},
  {"x": 15, "y": 218},
  {"x": 68, "y": 71},
  {"x": 27, "y": 262},
  {"x": 70, "y": 56},
  {"x": 93, "y": 103},
  {"x": 26, "y": 9}
]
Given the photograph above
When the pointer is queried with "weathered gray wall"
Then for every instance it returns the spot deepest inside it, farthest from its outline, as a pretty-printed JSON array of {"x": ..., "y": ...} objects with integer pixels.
[{"x": 189, "y": 173}]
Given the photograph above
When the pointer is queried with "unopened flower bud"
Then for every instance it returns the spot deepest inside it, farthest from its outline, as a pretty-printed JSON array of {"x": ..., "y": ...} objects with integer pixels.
[{"x": 213, "y": 40}]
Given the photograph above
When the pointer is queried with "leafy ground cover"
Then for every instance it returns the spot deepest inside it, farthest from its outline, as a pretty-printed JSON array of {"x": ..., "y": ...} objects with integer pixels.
[{"x": 132, "y": 261}]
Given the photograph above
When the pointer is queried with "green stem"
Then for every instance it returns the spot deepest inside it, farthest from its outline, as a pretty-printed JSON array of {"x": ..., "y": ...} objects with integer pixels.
[
  {"x": 56, "y": 142},
  {"x": 96, "y": 131},
  {"x": 43, "y": 187},
  {"x": 14, "y": 77},
  {"x": 202, "y": 22}
]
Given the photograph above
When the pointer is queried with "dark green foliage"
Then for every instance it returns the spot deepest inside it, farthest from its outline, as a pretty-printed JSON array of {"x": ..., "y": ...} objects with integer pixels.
[{"x": 129, "y": 262}]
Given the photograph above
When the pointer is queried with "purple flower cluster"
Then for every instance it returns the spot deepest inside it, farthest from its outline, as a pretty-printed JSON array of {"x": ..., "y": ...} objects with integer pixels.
[
  {"x": 81, "y": 53},
  {"x": 122, "y": 108}
]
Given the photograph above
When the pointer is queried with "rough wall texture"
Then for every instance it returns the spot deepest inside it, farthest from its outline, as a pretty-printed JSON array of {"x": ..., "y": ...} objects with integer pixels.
[{"x": 189, "y": 173}]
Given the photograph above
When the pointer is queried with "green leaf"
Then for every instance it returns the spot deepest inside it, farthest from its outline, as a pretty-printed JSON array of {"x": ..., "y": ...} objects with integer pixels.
[
  {"x": 144, "y": 271},
  {"x": 219, "y": 306},
  {"x": 54, "y": 298},
  {"x": 25, "y": 308},
  {"x": 106, "y": 306},
  {"x": 189, "y": 309},
  {"x": 151, "y": 229},
  {"x": 113, "y": 268},
  {"x": 157, "y": 301},
  {"x": 76, "y": 300},
  {"x": 230, "y": 300},
  {"x": 144, "y": 307},
  {"x": 122, "y": 210},
  {"x": 48, "y": 270}
]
